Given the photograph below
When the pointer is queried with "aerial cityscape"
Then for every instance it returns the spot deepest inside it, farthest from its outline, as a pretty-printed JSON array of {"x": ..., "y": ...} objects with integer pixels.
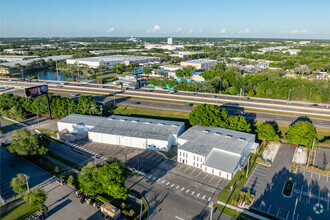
[{"x": 183, "y": 110}]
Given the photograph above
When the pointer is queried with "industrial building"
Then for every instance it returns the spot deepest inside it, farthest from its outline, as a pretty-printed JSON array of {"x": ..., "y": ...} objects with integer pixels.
[
  {"x": 25, "y": 62},
  {"x": 200, "y": 63},
  {"x": 217, "y": 151},
  {"x": 109, "y": 61},
  {"x": 124, "y": 130},
  {"x": 170, "y": 41}
]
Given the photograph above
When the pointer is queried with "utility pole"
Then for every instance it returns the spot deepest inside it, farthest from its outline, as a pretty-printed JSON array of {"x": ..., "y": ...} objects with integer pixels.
[
  {"x": 310, "y": 92},
  {"x": 310, "y": 153},
  {"x": 101, "y": 108},
  {"x": 27, "y": 182},
  {"x": 38, "y": 120},
  {"x": 247, "y": 170},
  {"x": 289, "y": 96},
  {"x": 211, "y": 214},
  {"x": 56, "y": 69}
]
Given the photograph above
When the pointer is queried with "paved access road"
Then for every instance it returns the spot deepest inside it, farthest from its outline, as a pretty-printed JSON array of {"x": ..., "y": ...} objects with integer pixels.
[{"x": 310, "y": 190}]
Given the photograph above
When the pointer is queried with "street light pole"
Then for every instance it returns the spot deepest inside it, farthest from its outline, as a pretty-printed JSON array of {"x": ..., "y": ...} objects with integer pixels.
[
  {"x": 56, "y": 69},
  {"x": 289, "y": 96},
  {"x": 38, "y": 120},
  {"x": 211, "y": 211},
  {"x": 310, "y": 93},
  {"x": 27, "y": 182},
  {"x": 101, "y": 111}
]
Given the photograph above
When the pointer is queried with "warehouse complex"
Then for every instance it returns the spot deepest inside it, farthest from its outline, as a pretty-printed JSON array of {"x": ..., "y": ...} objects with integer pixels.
[
  {"x": 200, "y": 63},
  {"x": 123, "y": 130},
  {"x": 217, "y": 151},
  {"x": 109, "y": 61}
]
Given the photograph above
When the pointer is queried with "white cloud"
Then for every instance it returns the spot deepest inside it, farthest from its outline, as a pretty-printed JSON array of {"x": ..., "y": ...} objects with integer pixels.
[
  {"x": 190, "y": 31},
  {"x": 303, "y": 31},
  {"x": 200, "y": 31},
  {"x": 178, "y": 30},
  {"x": 155, "y": 29},
  {"x": 223, "y": 30},
  {"x": 112, "y": 29},
  {"x": 244, "y": 31}
]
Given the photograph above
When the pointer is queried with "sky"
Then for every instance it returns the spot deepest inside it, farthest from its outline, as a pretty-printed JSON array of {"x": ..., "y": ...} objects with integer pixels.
[{"x": 295, "y": 19}]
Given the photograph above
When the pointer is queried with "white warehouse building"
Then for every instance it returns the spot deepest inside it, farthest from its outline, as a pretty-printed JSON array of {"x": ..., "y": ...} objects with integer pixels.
[
  {"x": 217, "y": 151},
  {"x": 109, "y": 61},
  {"x": 200, "y": 63},
  {"x": 126, "y": 131}
]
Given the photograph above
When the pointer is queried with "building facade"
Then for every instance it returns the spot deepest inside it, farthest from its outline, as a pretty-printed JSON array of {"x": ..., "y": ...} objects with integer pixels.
[{"x": 200, "y": 63}]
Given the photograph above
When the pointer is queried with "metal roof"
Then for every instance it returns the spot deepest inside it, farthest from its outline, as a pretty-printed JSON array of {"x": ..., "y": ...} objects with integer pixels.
[
  {"x": 222, "y": 161},
  {"x": 201, "y": 61},
  {"x": 83, "y": 119},
  {"x": 138, "y": 127},
  {"x": 25, "y": 62},
  {"x": 201, "y": 140}
]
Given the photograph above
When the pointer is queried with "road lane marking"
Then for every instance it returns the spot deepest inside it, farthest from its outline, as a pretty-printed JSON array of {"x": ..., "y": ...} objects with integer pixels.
[
  {"x": 203, "y": 197},
  {"x": 167, "y": 183},
  {"x": 177, "y": 187},
  {"x": 198, "y": 194},
  {"x": 193, "y": 193},
  {"x": 177, "y": 217}
]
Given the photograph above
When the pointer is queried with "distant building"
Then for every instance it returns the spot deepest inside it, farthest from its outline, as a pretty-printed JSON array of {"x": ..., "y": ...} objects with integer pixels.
[
  {"x": 200, "y": 63},
  {"x": 182, "y": 54},
  {"x": 292, "y": 51},
  {"x": 25, "y": 62},
  {"x": 164, "y": 47},
  {"x": 196, "y": 76},
  {"x": 217, "y": 151},
  {"x": 109, "y": 61},
  {"x": 170, "y": 41}
]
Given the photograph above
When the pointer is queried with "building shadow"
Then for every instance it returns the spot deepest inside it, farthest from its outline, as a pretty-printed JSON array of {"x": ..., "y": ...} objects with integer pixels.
[{"x": 58, "y": 207}]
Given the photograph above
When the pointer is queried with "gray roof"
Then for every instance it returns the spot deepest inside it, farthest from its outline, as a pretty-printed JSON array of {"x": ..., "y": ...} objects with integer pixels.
[
  {"x": 201, "y": 140},
  {"x": 85, "y": 119},
  {"x": 222, "y": 161},
  {"x": 25, "y": 62},
  {"x": 200, "y": 61},
  {"x": 138, "y": 127}
]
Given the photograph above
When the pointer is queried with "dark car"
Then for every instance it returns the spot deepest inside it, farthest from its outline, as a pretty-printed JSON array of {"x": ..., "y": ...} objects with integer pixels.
[
  {"x": 189, "y": 104},
  {"x": 136, "y": 103}
]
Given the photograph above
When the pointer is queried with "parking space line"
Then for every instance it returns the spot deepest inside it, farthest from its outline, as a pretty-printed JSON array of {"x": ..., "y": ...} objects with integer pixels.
[
  {"x": 302, "y": 187},
  {"x": 318, "y": 200},
  {"x": 203, "y": 197},
  {"x": 149, "y": 156},
  {"x": 187, "y": 169},
  {"x": 260, "y": 206},
  {"x": 309, "y": 196},
  {"x": 180, "y": 166},
  {"x": 172, "y": 185},
  {"x": 219, "y": 180},
  {"x": 187, "y": 191},
  {"x": 209, "y": 199},
  {"x": 269, "y": 209},
  {"x": 177, "y": 187},
  {"x": 182, "y": 189},
  {"x": 198, "y": 194},
  {"x": 193, "y": 193},
  {"x": 160, "y": 159},
  {"x": 199, "y": 174},
  {"x": 193, "y": 171},
  {"x": 278, "y": 212},
  {"x": 163, "y": 181},
  {"x": 167, "y": 183},
  {"x": 287, "y": 216},
  {"x": 211, "y": 179},
  {"x": 205, "y": 176}
]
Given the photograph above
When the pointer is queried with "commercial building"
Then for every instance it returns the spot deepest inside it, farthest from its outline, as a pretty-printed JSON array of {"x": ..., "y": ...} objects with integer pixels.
[
  {"x": 170, "y": 41},
  {"x": 164, "y": 46},
  {"x": 182, "y": 54},
  {"x": 124, "y": 130},
  {"x": 25, "y": 62},
  {"x": 217, "y": 151},
  {"x": 200, "y": 63},
  {"x": 109, "y": 61},
  {"x": 292, "y": 51}
]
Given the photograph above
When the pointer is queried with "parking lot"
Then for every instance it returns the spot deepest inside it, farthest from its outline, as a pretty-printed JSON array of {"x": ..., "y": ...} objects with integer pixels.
[
  {"x": 322, "y": 158},
  {"x": 140, "y": 159},
  {"x": 310, "y": 194},
  {"x": 62, "y": 204}
]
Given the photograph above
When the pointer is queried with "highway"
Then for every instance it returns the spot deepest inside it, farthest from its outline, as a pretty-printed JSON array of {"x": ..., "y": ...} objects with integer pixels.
[
  {"x": 248, "y": 114},
  {"x": 227, "y": 100}
]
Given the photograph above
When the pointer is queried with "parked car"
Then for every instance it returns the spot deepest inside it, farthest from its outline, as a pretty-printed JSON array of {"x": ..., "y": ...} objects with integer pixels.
[
  {"x": 189, "y": 104},
  {"x": 136, "y": 103},
  {"x": 60, "y": 181}
]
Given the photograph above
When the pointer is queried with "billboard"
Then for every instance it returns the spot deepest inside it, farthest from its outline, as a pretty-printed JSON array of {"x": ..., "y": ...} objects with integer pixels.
[{"x": 36, "y": 91}]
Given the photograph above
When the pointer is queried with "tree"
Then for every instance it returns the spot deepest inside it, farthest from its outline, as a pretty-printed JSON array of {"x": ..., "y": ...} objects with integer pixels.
[
  {"x": 112, "y": 178},
  {"x": 266, "y": 131},
  {"x": 36, "y": 197},
  {"x": 208, "y": 115},
  {"x": 146, "y": 70},
  {"x": 183, "y": 73},
  {"x": 219, "y": 67},
  {"x": 89, "y": 180},
  {"x": 301, "y": 133},
  {"x": 302, "y": 69},
  {"x": 238, "y": 123},
  {"x": 18, "y": 183},
  {"x": 25, "y": 143}
]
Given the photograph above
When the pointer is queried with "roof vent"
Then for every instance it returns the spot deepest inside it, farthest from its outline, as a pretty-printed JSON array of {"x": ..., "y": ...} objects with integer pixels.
[
  {"x": 135, "y": 121},
  {"x": 206, "y": 131},
  {"x": 242, "y": 139},
  {"x": 229, "y": 136},
  {"x": 162, "y": 123},
  {"x": 218, "y": 133},
  {"x": 147, "y": 122},
  {"x": 123, "y": 119},
  {"x": 174, "y": 125}
]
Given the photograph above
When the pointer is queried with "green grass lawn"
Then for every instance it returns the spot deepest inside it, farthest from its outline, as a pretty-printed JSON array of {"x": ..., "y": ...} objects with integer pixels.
[
  {"x": 20, "y": 212},
  {"x": 232, "y": 213},
  {"x": 49, "y": 132}
]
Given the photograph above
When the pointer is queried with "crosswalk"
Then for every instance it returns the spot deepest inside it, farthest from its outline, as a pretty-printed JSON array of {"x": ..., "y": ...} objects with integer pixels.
[{"x": 178, "y": 187}]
